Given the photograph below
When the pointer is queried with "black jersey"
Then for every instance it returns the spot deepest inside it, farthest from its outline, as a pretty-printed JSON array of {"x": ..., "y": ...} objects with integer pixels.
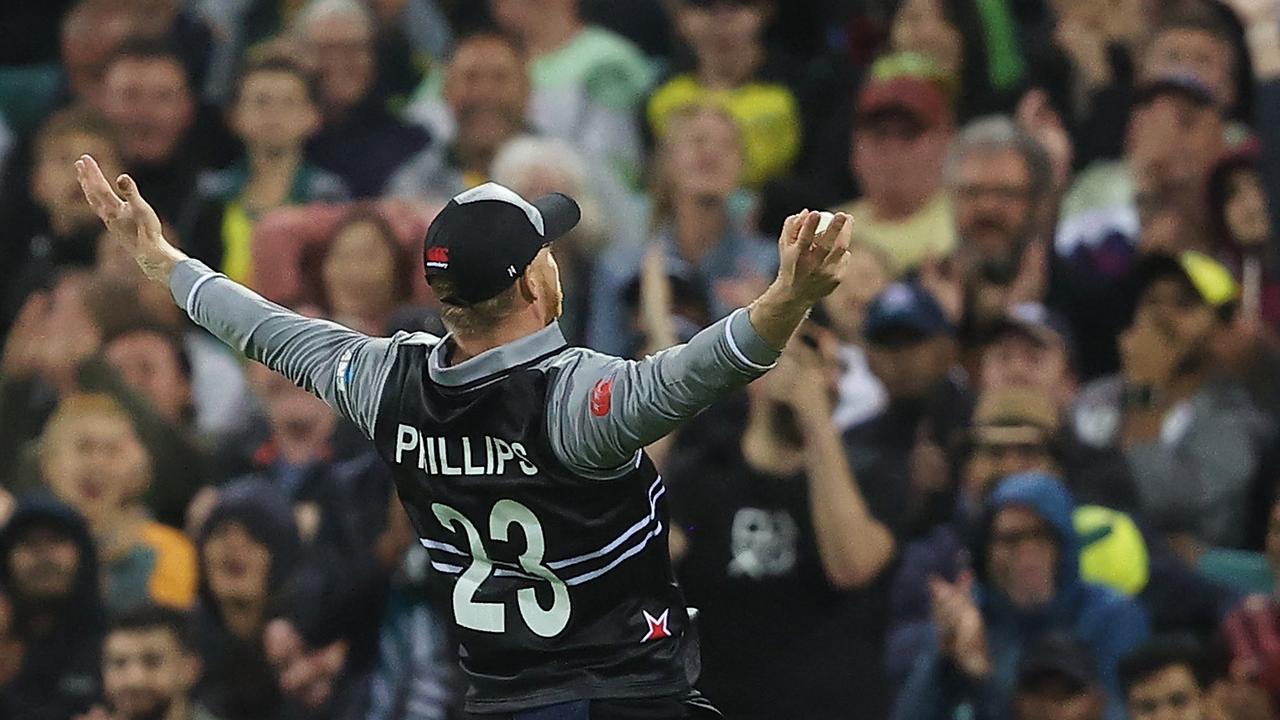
[
  {"x": 522, "y": 469},
  {"x": 561, "y": 585}
]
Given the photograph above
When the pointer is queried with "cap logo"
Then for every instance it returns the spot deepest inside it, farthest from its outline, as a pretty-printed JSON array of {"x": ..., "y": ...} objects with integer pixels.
[
  {"x": 511, "y": 271},
  {"x": 438, "y": 257}
]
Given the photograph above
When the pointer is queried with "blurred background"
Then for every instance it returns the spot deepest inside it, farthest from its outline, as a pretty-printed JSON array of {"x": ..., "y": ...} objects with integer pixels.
[{"x": 1022, "y": 464}]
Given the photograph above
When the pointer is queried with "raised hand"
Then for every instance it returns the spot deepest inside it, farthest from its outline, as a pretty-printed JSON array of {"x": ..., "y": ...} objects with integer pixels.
[
  {"x": 131, "y": 221},
  {"x": 809, "y": 266},
  {"x": 959, "y": 623}
]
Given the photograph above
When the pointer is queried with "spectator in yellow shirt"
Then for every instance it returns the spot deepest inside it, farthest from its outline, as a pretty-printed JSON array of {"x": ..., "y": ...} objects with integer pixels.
[{"x": 731, "y": 68}]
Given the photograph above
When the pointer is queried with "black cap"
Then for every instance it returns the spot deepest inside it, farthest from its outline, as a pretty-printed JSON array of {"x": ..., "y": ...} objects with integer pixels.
[
  {"x": 485, "y": 238},
  {"x": 1061, "y": 656},
  {"x": 903, "y": 313}
]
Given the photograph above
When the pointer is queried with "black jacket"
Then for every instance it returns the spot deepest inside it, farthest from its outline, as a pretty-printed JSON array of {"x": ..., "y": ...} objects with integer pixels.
[{"x": 59, "y": 676}]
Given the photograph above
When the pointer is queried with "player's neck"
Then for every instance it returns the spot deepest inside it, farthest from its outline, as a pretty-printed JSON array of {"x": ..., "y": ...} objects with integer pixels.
[{"x": 468, "y": 346}]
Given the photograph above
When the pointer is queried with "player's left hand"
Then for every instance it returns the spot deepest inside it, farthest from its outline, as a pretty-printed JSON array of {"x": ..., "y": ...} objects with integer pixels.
[{"x": 130, "y": 219}]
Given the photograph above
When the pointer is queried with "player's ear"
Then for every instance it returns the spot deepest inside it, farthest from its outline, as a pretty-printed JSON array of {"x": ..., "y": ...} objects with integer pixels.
[{"x": 527, "y": 287}]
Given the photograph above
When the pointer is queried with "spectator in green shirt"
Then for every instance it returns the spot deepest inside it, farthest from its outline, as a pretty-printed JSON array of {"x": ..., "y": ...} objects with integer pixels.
[{"x": 587, "y": 82}]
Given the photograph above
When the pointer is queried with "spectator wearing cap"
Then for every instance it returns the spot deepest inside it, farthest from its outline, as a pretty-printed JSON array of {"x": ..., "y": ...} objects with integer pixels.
[
  {"x": 911, "y": 350},
  {"x": 696, "y": 173},
  {"x": 486, "y": 91},
  {"x": 273, "y": 110},
  {"x": 1205, "y": 40},
  {"x": 732, "y": 65},
  {"x": 1058, "y": 680},
  {"x": 360, "y": 140},
  {"x": 1153, "y": 199},
  {"x": 588, "y": 82},
  {"x": 1031, "y": 349},
  {"x": 1014, "y": 431},
  {"x": 1025, "y": 581},
  {"x": 903, "y": 126},
  {"x": 1193, "y": 442}
]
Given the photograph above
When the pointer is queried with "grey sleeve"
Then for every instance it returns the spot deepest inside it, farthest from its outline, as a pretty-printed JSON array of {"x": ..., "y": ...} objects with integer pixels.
[
  {"x": 340, "y": 366},
  {"x": 602, "y": 410}
]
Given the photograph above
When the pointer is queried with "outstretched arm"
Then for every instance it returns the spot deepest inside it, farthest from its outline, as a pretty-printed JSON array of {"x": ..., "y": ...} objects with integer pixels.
[
  {"x": 344, "y": 368},
  {"x": 602, "y": 410}
]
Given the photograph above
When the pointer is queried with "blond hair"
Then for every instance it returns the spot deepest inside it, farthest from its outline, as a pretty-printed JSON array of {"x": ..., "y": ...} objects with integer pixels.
[
  {"x": 478, "y": 318},
  {"x": 661, "y": 187},
  {"x": 81, "y": 405}
]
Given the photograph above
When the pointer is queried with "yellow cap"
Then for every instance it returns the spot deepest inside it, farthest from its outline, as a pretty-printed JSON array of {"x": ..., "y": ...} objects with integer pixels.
[
  {"x": 1213, "y": 281},
  {"x": 1112, "y": 549}
]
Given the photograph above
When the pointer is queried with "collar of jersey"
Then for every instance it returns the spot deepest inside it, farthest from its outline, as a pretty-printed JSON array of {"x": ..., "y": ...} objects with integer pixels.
[{"x": 496, "y": 361}]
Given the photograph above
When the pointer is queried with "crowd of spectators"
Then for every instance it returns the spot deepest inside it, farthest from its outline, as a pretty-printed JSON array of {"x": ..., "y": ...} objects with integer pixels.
[{"x": 1023, "y": 464}]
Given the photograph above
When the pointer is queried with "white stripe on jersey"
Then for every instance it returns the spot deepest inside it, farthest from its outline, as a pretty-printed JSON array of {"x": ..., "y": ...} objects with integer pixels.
[{"x": 652, "y": 516}]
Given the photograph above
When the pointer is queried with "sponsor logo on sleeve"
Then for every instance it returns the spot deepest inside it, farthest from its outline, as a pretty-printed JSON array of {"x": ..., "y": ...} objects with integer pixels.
[{"x": 602, "y": 397}]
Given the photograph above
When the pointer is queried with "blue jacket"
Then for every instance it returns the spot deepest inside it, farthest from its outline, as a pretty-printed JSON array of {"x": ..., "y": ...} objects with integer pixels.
[{"x": 1110, "y": 623}]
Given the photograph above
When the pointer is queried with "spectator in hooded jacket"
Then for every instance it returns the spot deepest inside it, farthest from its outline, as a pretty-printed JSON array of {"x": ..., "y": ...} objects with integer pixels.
[
  {"x": 49, "y": 566},
  {"x": 1025, "y": 581},
  {"x": 258, "y": 614}
]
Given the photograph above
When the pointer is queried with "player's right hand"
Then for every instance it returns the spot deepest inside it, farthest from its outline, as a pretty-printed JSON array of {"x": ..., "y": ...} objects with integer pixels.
[
  {"x": 129, "y": 218},
  {"x": 810, "y": 267}
]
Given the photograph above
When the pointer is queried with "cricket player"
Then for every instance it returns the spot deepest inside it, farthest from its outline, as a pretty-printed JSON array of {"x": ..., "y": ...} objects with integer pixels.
[{"x": 519, "y": 459}]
